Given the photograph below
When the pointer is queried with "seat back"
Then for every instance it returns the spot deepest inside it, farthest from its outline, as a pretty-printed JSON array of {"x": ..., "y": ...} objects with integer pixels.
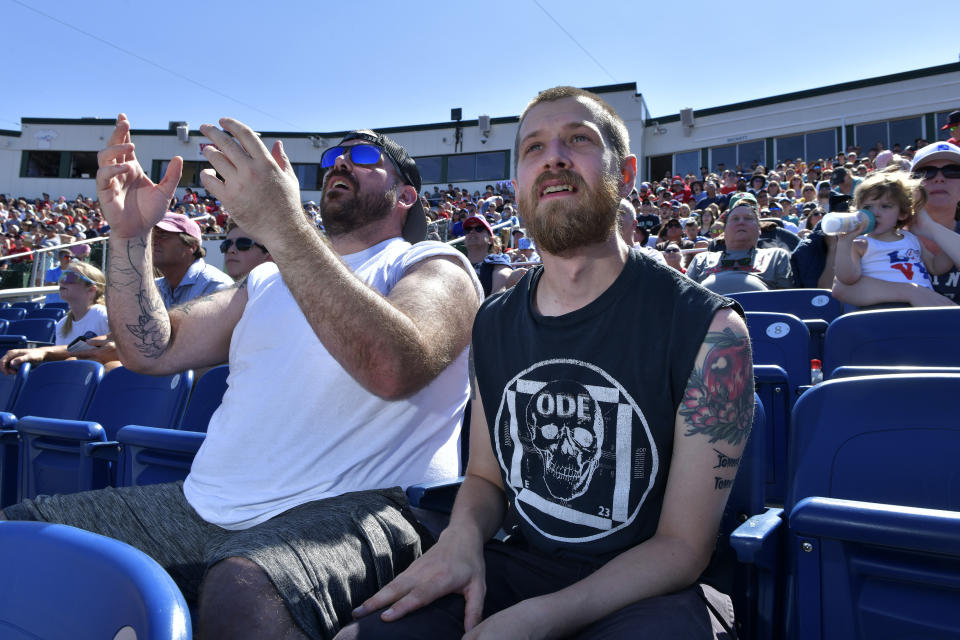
[
  {"x": 125, "y": 397},
  {"x": 865, "y": 451},
  {"x": 35, "y": 329},
  {"x": 52, "y": 390},
  {"x": 10, "y": 386},
  {"x": 206, "y": 397},
  {"x": 917, "y": 337},
  {"x": 781, "y": 339},
  {"x": 62, "y": 582},
  {"x": 806, "y": 304},
  {"x": 4, "y": 325},
  {"x": 13, "y": 313},
  {"x": 59, "y": 389},
  {"x": 57, "y": 305},
  {"x": 53, "y": 313},
  {"x": 27, "y": 306},
  {"x": 64, "y": 456},
  {"x": 153, "y": 456}
]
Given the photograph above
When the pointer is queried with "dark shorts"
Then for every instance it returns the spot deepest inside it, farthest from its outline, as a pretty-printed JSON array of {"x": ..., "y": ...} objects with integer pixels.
[
  {"x": 323, "y": 557},
  {"x": 515, "y": 573}
]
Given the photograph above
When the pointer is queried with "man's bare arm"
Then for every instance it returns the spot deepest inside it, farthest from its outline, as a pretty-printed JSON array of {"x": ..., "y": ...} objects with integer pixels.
[{"x": 394, "y": 345}]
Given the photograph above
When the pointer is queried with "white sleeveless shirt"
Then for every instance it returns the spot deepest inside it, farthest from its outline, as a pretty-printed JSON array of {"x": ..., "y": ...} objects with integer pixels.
[{"x": 295, "y": 427}]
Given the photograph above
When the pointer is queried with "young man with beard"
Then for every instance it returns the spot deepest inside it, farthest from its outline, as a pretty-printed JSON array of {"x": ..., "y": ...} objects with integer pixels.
[
  {"x": 348, "y": 377},
  {"x": 604, "y": 445}
]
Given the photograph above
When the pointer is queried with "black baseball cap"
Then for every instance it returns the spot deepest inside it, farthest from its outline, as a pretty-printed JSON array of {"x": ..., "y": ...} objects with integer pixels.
[{"x": 415, "y": 227}]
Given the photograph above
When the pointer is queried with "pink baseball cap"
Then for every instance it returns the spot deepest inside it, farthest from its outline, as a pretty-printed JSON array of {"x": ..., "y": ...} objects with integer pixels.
[{"x": 179, "y": 223}]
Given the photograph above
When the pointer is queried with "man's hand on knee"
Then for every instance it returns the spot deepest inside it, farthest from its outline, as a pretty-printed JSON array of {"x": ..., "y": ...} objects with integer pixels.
[{"x": 450, "y": 566}]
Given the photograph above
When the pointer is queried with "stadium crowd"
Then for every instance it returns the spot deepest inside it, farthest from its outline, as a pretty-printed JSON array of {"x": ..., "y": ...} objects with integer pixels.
[{"x": 300, "y": 530}]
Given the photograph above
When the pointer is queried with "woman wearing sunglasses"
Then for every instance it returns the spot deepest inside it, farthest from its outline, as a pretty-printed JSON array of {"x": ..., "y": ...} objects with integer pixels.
[
  {"x": 81, "y": 286},
  {"x": 937, "y": 166},
  {"x": 241, "y": 253}
]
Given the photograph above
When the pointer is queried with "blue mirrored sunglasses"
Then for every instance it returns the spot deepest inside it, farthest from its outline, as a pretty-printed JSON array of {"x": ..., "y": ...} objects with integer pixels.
[
  {"x": 363, "y": 154},
  {"x": 70, "y": 277}
]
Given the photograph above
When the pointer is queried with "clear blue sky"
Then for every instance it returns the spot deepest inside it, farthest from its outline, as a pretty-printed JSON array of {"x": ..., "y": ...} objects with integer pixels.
[{"x": 298, "y": 65}]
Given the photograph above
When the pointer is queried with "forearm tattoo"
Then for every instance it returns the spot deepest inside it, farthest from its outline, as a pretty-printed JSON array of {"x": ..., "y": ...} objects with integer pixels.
[
  {"x": 718, "y": 401},
  {"x": 151, "y": 331}
]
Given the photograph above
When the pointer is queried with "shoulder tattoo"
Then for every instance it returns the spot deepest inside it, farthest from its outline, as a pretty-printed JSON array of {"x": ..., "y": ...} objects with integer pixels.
[{"x": 718, "y": 401}]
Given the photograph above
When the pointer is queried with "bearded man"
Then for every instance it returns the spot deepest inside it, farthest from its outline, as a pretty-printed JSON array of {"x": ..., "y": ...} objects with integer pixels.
[
  {"x": 603, "y": 444},
  {"x": 348, "y": 377}
]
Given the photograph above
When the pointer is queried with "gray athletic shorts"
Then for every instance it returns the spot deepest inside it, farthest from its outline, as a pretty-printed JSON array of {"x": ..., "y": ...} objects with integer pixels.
[{"x": 323, "y": 557}]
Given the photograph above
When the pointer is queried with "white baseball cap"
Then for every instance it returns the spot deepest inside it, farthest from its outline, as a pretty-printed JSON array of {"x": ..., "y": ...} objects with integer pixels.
[{"x": 936, "y": 151}]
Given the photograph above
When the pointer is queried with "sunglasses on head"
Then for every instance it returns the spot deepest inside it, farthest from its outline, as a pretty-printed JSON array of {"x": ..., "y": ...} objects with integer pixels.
[
  {"x": 243, "y": 244},
  {"x": 951, "y": 172},
  {"x": 71, "y": 277}
]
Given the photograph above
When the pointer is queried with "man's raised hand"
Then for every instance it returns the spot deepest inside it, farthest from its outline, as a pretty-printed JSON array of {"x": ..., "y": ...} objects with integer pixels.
[
  {"x": 131, "y": 203},
  {"x": 256, "y": 185}
]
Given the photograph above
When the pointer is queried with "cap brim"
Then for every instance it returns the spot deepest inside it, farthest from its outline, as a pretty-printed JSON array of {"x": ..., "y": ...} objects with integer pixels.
[{"x": 415, "y": 227}]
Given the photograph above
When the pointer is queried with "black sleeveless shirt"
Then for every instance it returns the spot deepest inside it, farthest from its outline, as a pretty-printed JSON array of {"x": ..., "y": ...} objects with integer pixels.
[{"x": 581, "y": 407}]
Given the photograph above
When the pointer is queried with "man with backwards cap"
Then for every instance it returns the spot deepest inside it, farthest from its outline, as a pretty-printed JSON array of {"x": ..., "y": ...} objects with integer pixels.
[{"x": 348, "y": 377}]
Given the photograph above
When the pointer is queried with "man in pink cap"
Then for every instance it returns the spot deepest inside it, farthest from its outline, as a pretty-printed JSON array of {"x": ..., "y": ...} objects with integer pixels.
[{"x": 178, "y": 255}]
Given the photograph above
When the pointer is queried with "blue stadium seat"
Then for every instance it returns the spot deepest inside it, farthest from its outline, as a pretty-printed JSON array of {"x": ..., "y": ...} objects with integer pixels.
[
  {"x": 10, "y": 385},
  {"x": 35, "y": 329},
  {"x": 54, "y": 313},
  {"x": 854, "y": 371},
  {"x": 916, "y": 337},
  {"x": 781, "y": 358},
  {"x": 62, "y": 582},
  {"x": 874, "y": 514},
  {"x": 13, "y": 313},
  {"x": 206, "y": 397},
  {"x": 57, "y": 305},
  {"x": 4, "y": 324},
  {"x": 816, "y": 307},
  {"x": 27, "y": 306},
  {"x": 53, "y": 390},
  {"x": 63, "y": 456},
  {"x": 152, "y": 456}
]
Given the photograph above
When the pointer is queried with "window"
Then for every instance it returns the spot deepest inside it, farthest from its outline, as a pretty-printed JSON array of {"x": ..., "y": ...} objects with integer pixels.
[
  {"x": 789, "y": 148},
  {"x": 490, "y": 166},
  {"x": 687, "y": 162},
  {"x": 42, "y": 164},
  {"x": 940, "y": 120},
  {"x": 464, "y": 167},
  {"x": 750, "y": 152},
  {"x": 904, "y": 132},
  {"x": 461, "y": 168},
  {"x": 83, "y": 164},
  {"x": 191, "y": 172},
  {"x": 869, "y": 135},
  {"x": 727, "y": 156},
  {"x": 431, "y": 169},
  {"x": 821, "y": 144},
  {"x": 310, "y": 176}
]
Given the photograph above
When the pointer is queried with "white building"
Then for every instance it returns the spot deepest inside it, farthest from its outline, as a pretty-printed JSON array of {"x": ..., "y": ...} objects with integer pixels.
[{"x": 58, "y": 156}]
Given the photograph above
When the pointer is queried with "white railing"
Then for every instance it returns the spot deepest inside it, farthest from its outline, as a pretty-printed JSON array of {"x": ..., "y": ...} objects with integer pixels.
[{"x": 42, "y": 258}]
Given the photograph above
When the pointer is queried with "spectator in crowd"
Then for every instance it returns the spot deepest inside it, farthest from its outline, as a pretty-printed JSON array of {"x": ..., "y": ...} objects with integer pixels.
[
  {"x": 843, "y": 181},
  {"x": 528, "y": 250},
  {"x": 558, "y": 348},
  {"x": 633, "y": 236},
  {"x": 493, "y": 269},
  {"x": 953, "y": 126},
  {"x": 260, "y": 520},
  {"x": 937, "y": 166},
  {"x": 52, "y": 276},
  {"x": 712, "y": 197},
  {"x": 82, "y": 287},
  {"x": 241, "y": 253},
  {"x": 672, "y": 257},
  {"x": 672, "y": 231},
  {"x": 742, "y": 265},
  {"x": 178, "y": 256},
  {"x": 888, "y": 252},
  {"x": 691, "y": 230}
]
